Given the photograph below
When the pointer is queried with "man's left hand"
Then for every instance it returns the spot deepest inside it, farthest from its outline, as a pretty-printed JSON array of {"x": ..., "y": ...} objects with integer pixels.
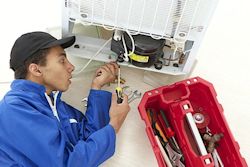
[{"x": 105, "y": 74}]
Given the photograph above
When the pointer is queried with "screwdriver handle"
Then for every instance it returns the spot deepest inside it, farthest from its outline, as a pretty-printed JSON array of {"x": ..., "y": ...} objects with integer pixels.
[
  {"x": 165, "y": 119},
  {"x": 119, "y": 100},
  {"x": 118, "y": 91}
]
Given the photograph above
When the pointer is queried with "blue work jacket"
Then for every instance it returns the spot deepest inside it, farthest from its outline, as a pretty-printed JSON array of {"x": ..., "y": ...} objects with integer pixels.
[{"x": 34, "y": 133}]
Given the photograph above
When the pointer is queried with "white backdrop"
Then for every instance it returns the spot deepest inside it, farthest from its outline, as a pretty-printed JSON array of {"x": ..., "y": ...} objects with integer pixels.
[{"x": 223, "y": 58}]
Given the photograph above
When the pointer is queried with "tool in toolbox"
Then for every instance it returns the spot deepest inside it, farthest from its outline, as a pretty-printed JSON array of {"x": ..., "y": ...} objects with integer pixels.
[
  {"x": 201, "y": 119},
  {"x": 192, "y": 110},
  {"x": 195, "y": 132},
  {"x": 164, "y": 154},
  {"x": 156, "y": 128},
  {"x": 212, "y": 142},
  {"x": 217, "y": 160},
  {"x": 170, "y": 135},
  {"x": 169, "y": 154},
  {"x": 176, "y": 158},
  {"x": 160, "y": 137},
  {"x": 118, "y": 89}
]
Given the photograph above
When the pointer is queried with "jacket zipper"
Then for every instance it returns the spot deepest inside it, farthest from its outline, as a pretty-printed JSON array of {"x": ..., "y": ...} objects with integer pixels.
[
  {"x": 53, "y": 106},
  {"x": 55, "y": 113}
]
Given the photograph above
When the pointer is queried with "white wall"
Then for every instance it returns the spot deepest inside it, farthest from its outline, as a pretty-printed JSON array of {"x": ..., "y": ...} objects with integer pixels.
[
  {"x": 224, "y": 60},
  {"x": 18, "y": 17}
]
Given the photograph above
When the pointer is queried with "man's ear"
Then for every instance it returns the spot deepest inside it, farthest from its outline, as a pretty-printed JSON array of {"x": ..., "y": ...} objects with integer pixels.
[{"x": 34, "y": 69}]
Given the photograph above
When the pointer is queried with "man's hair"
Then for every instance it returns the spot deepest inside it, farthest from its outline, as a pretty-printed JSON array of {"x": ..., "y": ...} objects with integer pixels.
[{"x": 38, "y": 58}]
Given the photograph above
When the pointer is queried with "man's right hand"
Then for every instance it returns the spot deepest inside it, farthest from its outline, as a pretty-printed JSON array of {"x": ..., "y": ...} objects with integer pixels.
[{"x": 118, "y": 112}]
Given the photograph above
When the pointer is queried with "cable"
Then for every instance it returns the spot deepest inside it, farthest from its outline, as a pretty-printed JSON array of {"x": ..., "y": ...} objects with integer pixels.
[
  {"x": 125, "y": 47},
  {"x": 187, "y": 51},
  {"x": 133, "y": 43},
  {"x": 91, "y": 58},
  {"x": 98, "y": 33},
  {"x": 5, "y": 82}
]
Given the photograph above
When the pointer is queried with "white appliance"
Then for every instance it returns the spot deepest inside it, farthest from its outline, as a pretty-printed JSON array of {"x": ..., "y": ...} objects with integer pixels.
[{"x": 182, "y": 23}]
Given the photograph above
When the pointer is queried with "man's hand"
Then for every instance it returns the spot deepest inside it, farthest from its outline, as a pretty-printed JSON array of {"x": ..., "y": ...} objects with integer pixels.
[
  {"x": 105, "y": 74},
  {"x": 118, "y": 112}
]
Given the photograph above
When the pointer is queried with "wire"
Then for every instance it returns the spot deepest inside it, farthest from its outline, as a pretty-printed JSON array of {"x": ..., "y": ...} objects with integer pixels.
[
  {"x": 187, "y": 51},
  {"x": 98, "y": 33},
  {"x": 91, "y": 58},
  {"x": 125, "y": 47},
  {"x": 175, "y": 49},
  {"x": 5, "y": 82},
  {"x": 133, "y": 43}
]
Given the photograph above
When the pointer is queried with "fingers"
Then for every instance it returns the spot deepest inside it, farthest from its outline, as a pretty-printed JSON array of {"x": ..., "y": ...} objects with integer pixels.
[
  {"x": 125, "y": 98},
  {"x": 98, "y": 72},
  {"x": 109, "y": 68},
  {"x": 105, "y": 74},
  {"x": 116, "y": 66},
  {"x": 104, "y": 69},
  {"x": 114, "y": 97},
  {"x": 112, "y": 67}
]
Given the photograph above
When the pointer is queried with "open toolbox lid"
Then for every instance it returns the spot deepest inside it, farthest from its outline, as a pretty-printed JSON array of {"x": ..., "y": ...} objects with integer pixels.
[{"x": 196, "y": 122}]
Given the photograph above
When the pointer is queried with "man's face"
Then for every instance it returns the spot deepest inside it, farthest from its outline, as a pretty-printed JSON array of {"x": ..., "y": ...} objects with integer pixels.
[{"x": 57, "y": 72}]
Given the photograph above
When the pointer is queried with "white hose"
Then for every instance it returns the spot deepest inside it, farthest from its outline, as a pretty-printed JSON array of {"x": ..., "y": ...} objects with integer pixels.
[{"x": 91, "y": 58}]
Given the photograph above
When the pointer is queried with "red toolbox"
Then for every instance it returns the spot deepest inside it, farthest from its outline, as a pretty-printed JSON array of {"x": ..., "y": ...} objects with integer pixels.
[{"x": 186, "y": 126}]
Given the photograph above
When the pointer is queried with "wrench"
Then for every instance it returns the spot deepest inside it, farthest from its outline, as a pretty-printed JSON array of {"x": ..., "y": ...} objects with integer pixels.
[
  {"x": 85, "y": 101},
  {"x": 126, "y": 90},
  {"x": 134, "y": 96}
]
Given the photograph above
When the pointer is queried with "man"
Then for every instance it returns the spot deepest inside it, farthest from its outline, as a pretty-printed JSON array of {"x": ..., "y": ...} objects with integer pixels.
[{"x": 37, "y": 128}]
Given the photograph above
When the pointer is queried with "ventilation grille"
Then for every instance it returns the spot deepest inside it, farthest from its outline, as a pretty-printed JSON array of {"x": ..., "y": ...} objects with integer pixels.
[{"x": 157, "y": 18}]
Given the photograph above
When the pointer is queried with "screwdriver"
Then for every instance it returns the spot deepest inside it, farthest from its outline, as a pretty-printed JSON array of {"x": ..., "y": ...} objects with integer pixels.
[
  {"x": 118, "y": 89},
  {"x": 170, "y": 136},
  {"x": 155, "y": 125}
]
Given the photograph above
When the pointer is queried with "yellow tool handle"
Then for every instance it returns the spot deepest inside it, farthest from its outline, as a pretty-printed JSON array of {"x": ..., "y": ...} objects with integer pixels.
[
  {"x": 118, "y": 89},
  {"x": 158, "y": 128}
]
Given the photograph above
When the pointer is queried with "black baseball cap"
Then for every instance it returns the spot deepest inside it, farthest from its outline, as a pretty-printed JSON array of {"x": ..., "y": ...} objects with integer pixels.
[{"x": 29, "y": 43}]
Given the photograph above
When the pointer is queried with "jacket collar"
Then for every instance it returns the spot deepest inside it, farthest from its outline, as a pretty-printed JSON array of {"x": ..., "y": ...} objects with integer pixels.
[{"x": 30, "y": 86}]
